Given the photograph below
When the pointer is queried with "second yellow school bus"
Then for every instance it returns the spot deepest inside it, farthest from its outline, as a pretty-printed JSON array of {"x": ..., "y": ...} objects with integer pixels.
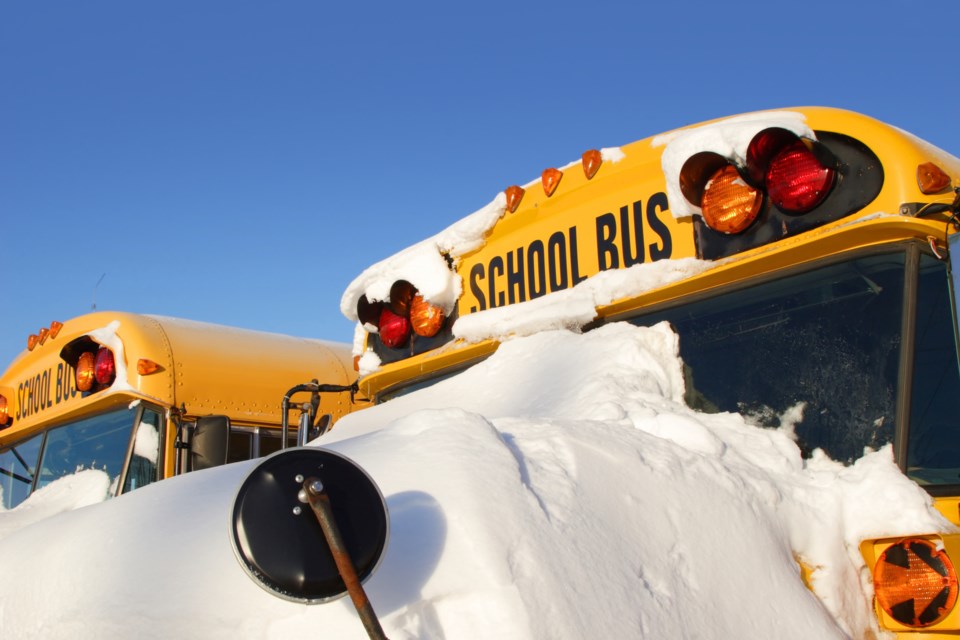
[
  {"x": 819, "y": 245},
  {"x": 144, "y": 398}
]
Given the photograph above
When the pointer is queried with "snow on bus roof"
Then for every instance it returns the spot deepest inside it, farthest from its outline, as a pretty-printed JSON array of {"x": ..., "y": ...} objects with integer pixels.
[{"x": 425, "y": 264}]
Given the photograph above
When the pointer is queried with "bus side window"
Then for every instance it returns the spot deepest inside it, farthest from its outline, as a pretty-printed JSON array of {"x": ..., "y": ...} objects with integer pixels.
[
  {"x": 934, "y": 442},
  {"x": 240, "y": 445},
  {"x": 270, "y": 441},
  {"x": 18, "y": 465},
  {"x": 146, "y": 452}
]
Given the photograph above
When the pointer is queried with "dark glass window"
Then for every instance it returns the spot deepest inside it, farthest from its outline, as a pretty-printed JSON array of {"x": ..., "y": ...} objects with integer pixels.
[
  {"x": 933, "y": 456},
  {"x": 18, "y": 465},
  {"x": 270, "y": 440},
  {"x": 826, "y": 341},
  {"x": 99, "y": 442},
  {"x": 144, "y": 463}
]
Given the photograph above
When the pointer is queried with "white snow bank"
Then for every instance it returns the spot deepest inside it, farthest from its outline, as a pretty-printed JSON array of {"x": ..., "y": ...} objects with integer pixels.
[
  {"x": 559, "y": 489},
  {"x": 64, "y": 494}
]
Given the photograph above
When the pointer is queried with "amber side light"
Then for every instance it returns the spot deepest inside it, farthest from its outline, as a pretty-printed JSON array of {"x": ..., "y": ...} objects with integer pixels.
[
  {"x": 145, "y": 367},
  {"x": 32, "y": 341},
  {"x": 915, "y": 583},
  {"x": 591, "y": 161},
  {"x": 514, "y": 196},
  {"x": 4, "y": 412},
  {"x": 931, "y": 178},
  {"x": 55, "y": 328},
  {"x": 551, "y": 179},
  {"x": 44, "y": 334}
]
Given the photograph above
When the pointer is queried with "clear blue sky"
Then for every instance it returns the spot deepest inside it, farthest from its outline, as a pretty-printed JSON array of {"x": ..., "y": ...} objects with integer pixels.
[{"x": 241, "y": 162}]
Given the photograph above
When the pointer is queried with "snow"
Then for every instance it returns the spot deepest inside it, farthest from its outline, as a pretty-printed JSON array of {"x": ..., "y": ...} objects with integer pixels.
[
  {"x": 559, "y": 489},
  {"x": 107, "y": 336}
]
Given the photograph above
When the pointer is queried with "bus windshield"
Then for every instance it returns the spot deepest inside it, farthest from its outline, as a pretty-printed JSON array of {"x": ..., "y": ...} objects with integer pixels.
[
  {"x": 819, "y": 353},
  {"x": 98, "y": 442}
]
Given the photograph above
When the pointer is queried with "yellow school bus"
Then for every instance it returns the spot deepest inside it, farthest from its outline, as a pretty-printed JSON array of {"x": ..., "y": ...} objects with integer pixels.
[
  {"x": 816, "y": 248},
  {"x": 144, "y": 398}
]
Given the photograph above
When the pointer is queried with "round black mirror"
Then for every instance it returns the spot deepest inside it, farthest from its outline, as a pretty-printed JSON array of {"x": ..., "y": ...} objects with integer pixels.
[{"x": 278, "y": 539}]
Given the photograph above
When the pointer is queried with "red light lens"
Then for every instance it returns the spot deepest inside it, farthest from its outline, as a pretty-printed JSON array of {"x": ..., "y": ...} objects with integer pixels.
[
  {"x": 796, "y": 180},
  {"x": 105, "y": 369},
  {"x": 394, "y": 329},
  {"x": 401, "y": 293},
  {"x": 764, "y": 146}
]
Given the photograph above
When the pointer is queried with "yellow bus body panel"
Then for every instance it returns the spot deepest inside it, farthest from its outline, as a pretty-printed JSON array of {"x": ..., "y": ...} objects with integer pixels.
[
  {"x": 570, "y": 217},
  {"x": 203, "y": 368}
]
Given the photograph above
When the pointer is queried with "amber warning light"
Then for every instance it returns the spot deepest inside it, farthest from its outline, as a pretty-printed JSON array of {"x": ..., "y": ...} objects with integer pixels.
[
  {"x": 915, "y": 583},
  {"x": 4, "y": 412}
]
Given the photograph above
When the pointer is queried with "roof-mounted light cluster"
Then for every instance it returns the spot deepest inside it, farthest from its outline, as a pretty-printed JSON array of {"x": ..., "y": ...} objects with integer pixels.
[
  {"x": 795, "y": 174},
  {"x": 550, "y": 178},
  {"x": 406, "y": 314},
  {"x": 94, "y": 365},
  {"x": 95, "y": 370}
]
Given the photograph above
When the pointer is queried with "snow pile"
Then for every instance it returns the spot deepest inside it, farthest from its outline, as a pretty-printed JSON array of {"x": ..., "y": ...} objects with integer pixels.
[
  {"x": 560, "y": 489},
  {"x": 64, "y": 494}
]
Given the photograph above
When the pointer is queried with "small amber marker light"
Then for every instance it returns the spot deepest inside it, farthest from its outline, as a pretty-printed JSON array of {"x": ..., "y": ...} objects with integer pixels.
[
  {"x": 551, "y": 179},
  {"x": 514, "y": 196},
  {"x": 591, "y": 161},
  {"x": 55, "y": 328},
  {"x": 931, "y": 178},
  {"x": 44, "y": 334},
  {"x": 145, "y": 366},
  {"x": 32, "y": 341}
]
